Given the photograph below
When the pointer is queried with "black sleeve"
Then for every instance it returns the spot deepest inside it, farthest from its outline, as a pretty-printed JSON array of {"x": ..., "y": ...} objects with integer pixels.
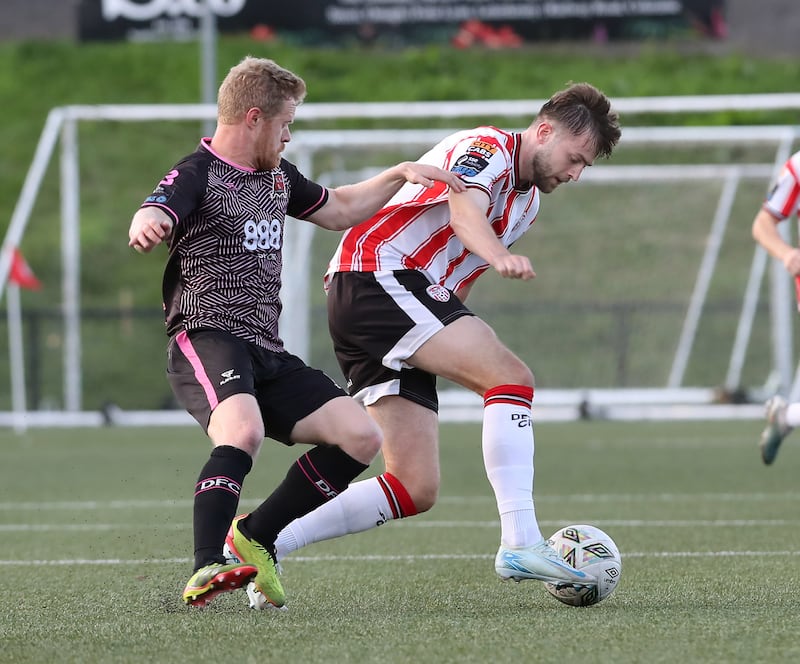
[
  {"x": 180, "y": 191},
  {"x": 305, "y": 196}
]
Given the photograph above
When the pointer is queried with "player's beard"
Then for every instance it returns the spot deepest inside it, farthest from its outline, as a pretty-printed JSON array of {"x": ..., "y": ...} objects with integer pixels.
[
  {"x": 268, "y": 156},
  {"x": 268, "y": 161},
  {"x": 543, "y": 179}
]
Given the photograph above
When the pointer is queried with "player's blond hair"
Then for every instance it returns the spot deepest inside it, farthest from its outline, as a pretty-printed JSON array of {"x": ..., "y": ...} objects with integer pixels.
[
  {"x": 581, "y": 107},
  {"x": 257, "y": 83}
]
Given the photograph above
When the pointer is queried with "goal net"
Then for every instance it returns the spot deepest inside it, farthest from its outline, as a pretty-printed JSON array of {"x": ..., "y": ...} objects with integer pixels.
[{"x": 650, "y": 298}]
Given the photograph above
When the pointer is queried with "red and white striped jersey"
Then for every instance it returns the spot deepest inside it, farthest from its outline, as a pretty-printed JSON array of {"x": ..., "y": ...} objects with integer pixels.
[
  {"x": 413, "y": 232},
  {"x": 784, "y": 198}
]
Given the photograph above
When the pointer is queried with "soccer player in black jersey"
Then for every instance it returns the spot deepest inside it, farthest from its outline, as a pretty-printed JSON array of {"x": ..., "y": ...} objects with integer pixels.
[{"x": 221, "y": 211}]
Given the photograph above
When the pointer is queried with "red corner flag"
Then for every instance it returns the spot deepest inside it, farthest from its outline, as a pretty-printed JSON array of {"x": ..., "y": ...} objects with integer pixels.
[{"x": 21, "y": 273}]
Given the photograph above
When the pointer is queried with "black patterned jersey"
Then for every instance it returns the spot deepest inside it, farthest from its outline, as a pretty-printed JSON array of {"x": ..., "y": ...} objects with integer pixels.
[{"x": 225, "y": 253}]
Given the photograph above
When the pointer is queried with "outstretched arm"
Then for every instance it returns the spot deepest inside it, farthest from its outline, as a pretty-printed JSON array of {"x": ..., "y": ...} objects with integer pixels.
[{"x": 351, "y": 204}]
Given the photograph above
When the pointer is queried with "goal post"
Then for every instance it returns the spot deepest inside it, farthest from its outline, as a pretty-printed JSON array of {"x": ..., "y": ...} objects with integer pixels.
[{"x": 312, "y": 149}]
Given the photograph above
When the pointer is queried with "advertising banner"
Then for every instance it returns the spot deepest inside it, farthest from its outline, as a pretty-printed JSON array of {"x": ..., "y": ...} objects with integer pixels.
[{"x": 413, "y": 19}]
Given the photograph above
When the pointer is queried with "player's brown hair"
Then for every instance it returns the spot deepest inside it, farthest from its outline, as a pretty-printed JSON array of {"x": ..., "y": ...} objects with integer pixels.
[
  {"x": 581, "y": 107},
  {"x": 257, "y": 83}
]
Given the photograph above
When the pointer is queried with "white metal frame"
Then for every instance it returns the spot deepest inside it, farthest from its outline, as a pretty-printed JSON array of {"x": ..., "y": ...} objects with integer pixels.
[{"x": 61, "y": 125}]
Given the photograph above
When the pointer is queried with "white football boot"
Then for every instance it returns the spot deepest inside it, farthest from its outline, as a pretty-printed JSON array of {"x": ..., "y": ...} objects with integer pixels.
[{"x": 540, "y": 562}]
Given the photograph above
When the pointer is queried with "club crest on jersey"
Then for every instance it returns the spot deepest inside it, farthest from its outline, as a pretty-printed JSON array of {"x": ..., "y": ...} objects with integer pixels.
[
  {"x": 278, "y": 185},
  {"x": 437, "y": 292}
]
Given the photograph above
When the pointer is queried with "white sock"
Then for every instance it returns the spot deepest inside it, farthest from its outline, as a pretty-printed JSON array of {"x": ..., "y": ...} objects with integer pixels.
[
  {"x": 793, "y": 415},
  {"x": 508, "y": 457},
  {"x": 363, "y": 505}
]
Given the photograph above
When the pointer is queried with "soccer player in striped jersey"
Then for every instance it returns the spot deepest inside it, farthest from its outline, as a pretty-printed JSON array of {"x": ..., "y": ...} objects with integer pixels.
[
  {"x": 221, "y": 211},
  {"x": 781, "y": 202},
  {"x": 396, "y": 290}
]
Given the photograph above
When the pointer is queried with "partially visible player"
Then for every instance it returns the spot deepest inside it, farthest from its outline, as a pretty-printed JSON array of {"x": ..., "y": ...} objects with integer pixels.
[
  {"x": 782, "y": 202},
  {"x": 396, "y": 290},
  {"x": 222, "y": 210}
]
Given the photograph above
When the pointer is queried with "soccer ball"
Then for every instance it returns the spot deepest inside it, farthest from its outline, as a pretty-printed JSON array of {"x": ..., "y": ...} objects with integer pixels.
[{"x": 590, "y": 550}]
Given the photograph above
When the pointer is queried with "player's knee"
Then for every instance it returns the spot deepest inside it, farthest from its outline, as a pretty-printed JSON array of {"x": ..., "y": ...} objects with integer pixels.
[
  {"x": 364, "y": 442},
  {"x": 511, "y": 373},
  {"x": 371, "y": 440},
  {"x": 425, "y": 498},
  {"x": 423, "y": 489},
  {"x": 249, "y": 441},
  {"x": 522, "y": 375},
  {"x": 246, "y": 436}
]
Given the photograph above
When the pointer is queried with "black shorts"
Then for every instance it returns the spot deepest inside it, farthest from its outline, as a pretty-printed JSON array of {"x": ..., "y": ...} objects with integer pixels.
[
  {"x": 377, "y": 321},
  {"x": 204, "y": 367}
]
